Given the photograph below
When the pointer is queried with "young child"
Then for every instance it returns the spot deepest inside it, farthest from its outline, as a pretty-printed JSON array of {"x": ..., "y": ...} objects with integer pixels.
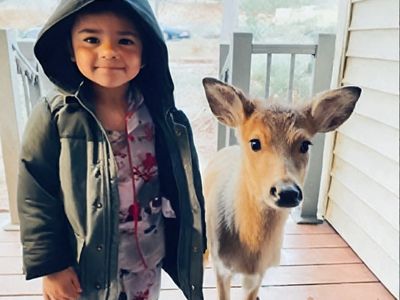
[{"x": 109, "y": 188}]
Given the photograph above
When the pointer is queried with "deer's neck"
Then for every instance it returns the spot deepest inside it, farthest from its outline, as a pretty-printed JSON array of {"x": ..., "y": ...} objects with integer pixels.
[{"x": 257, "y": 223}]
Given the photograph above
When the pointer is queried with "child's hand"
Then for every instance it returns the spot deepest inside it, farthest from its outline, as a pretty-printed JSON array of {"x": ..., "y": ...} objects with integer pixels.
[{"x": 61, "y": 285}]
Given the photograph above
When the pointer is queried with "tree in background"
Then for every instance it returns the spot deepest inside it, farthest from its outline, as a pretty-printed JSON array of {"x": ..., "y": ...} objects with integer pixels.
[{"x": 258, "y": 17}]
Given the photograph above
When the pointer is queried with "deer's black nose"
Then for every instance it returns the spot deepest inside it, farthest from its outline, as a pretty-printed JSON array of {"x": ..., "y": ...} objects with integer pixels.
[{"x": 289, "y": 196}]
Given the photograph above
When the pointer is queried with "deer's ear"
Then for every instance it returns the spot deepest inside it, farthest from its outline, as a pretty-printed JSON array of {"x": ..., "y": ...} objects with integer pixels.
[
  {"x": 330, "y": 109},
  {"x": 227, "y": 103}
]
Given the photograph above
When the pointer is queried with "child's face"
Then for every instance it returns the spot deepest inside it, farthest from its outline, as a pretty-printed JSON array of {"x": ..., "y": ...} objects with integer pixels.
[{"x": 106, "y": 48}]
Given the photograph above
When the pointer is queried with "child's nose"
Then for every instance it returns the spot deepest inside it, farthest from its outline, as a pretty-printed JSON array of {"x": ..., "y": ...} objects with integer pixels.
[{"x": 108, "y": 51}]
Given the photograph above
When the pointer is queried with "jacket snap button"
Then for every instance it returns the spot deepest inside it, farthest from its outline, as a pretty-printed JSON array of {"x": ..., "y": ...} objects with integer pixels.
[
  {"x": 98, "y": 286},
  {"x": 178, "y": 132},
  {"x": 99, "y": 248},
  {"x": 99, "y": 205},
  {"x": 195, "y": 249},
  {"x": 193, "y": 287}
]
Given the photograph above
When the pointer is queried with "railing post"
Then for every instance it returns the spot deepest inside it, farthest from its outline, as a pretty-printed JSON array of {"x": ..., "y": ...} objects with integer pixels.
[
  {"x": 222, "y": 130},
  {"x": 230, "y": 19},
  {"x": 321, "y": 81},
  {"x": 11, "y": 121},
  {"x": 241, "y": 60},
  {"x": 241, "y": 66}
]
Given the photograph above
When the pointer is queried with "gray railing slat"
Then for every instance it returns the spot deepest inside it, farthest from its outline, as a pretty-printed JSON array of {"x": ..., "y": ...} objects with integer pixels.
[
  {"x": 221, "y": 138},
  {"x": 223, "y": 60},
  {"x": 28, "y": 104},
  {"x": 291, "y": 77},
  {"x": 268, "y": 76},
  {"x": 224, "y": 64}
]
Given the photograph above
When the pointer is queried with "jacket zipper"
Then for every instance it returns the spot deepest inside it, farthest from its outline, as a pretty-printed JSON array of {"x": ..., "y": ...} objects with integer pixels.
[{"x": 136, "y": 205}]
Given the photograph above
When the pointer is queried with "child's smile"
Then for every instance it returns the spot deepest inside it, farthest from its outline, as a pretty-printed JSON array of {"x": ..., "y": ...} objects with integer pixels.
[{"x": 107, "y": 49}]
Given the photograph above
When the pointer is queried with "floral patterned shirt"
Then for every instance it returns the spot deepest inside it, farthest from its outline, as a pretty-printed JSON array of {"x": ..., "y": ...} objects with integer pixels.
[{"x": 142, "y": 208}]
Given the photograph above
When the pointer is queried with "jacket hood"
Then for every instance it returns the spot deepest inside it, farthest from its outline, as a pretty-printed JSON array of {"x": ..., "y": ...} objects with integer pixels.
[{"x": 53, "y": 51}]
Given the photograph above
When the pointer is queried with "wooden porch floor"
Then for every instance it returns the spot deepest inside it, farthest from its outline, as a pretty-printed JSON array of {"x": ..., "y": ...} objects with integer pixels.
[{"x": 316, "y": 265}]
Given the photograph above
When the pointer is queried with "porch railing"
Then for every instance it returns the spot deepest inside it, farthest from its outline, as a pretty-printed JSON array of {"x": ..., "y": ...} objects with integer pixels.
[
  {"x": 235, "y": 68},
  {"x": 21, "y": 85}
]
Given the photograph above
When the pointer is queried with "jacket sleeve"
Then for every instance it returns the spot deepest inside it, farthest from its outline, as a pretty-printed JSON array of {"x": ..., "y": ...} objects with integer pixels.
[{"x": 43, "y": 224}]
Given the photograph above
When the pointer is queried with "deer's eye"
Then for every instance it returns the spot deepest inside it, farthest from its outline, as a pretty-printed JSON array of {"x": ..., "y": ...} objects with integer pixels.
[
  {"x": 255, "y": 145},
  {"x": 305, "y": 145}
]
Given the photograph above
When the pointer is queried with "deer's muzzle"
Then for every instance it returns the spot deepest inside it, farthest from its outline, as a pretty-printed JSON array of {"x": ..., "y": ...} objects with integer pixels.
[{"x": 287, "y": 196}]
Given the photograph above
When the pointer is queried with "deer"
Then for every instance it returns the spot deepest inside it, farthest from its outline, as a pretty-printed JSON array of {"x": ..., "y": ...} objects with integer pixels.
[{"x": 250, "y": 188}]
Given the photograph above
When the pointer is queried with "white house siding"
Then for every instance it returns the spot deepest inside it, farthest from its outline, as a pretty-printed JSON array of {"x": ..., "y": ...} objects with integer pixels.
[{"x": 363, "y": 196}]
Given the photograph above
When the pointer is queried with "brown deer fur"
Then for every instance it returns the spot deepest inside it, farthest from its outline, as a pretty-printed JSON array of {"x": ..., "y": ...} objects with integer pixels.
[{"x": 249, "y": 188}]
